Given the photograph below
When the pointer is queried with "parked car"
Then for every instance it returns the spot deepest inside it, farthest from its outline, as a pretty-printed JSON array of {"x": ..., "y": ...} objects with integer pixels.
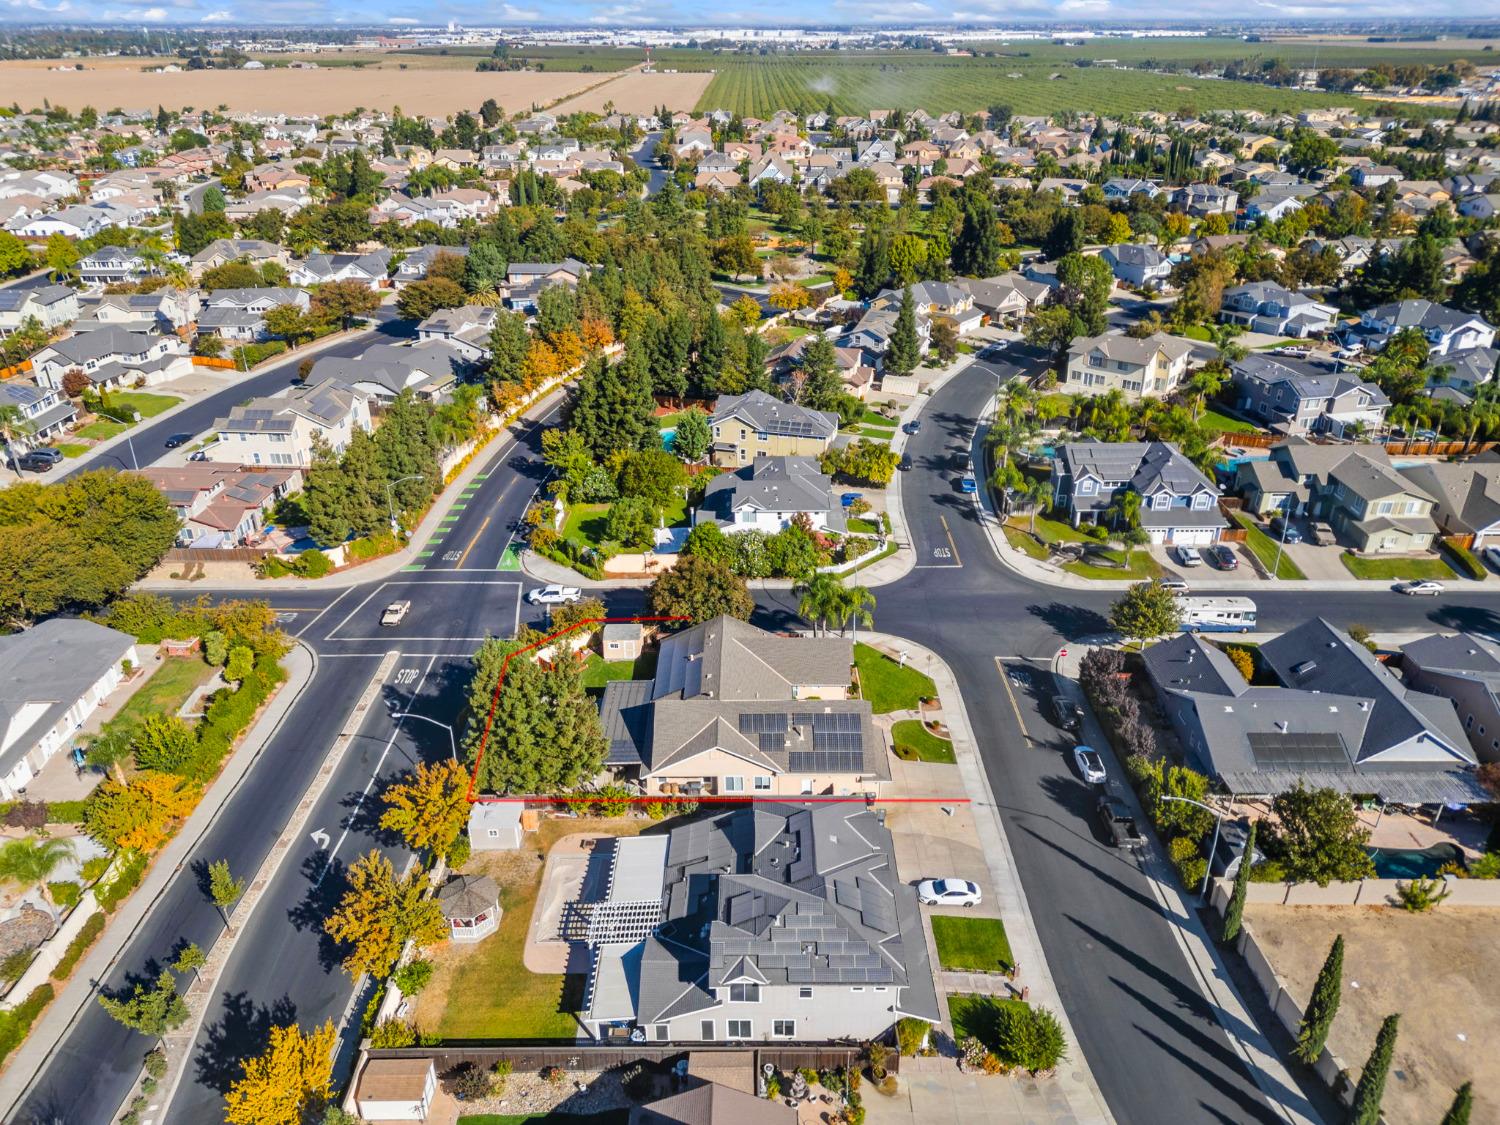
[
  {"x": 1066, "y": 712},
  {"x": 178, "y": 439},
  {"x": 1282, "y": 529},
  {"x": 553, "y": 595},
  {"x": 1420, "y": 587},
  {"x": 1119, "y": 823},
  {"x": 1189, "y": 556},
  {"x": 52, "y": 454},
  {"x": 905, "y": 463},
  {"x": 200, "y": 455},
  {"x": 32, "y": 462},
  {"x": 1221, "y": 557},
  {"x": 1177, "y": 586},
  {"x": 1492, "y": 556},
  {"x": 914, "y": 426},
  {"x": 948, "y": 892},
  {"x": 968, "y": 484},
  {"x": 1090, "y": 765},
  {"x": 1320, "y": 533},
  {"x": 847, "y": 499},
  {"x": 395, "y": 613}
]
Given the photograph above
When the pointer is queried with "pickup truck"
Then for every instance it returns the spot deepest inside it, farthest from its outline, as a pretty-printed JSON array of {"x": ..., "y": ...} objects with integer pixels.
[
  {"x": 395, "y": 613},
  {"x": 554, "y": 595},
  {"x": 1119, "y": 823}
]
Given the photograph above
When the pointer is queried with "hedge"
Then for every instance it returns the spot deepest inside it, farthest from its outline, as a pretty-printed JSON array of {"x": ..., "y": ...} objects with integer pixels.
[
  {"x": 15, "y": 1023},
  {"x": 251, "y": 354},
  {"x": 58, "y": 812},
  {"x": 126, "y": 880},
  {"x": 79, "y": 946},
  {"x": 1463, "y": 560}
]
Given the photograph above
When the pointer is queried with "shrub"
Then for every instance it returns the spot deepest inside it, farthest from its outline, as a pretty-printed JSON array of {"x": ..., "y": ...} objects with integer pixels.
[
  {"x": 148, "y": 1086},
  {"x": 888, "y": 1086},
  {"x": 156, "y": 1062},
  {"x": 313, "y": 563},
  {"x": 1421, "y": 895},
  {"x": 459, "y": 852},
  {"x": 1486, "y": 866},
  {"x": 656, "y": 810},
  {"x": 29, "y": 815},
  {"x": 393, "y": 1033},
  {"x": 17, "y": 1021},
  {"x": 971, "y": 1053},
  {"x": 127, "y": 877},
  {"x": 910, "y": 1032},
  {"x": 1030, "y": 1038},
  {"x": 1268, "y": 871},
  {"x": 12, "y": 966},
  {"x": 1242, "y": 659},
  {"x": 501, "y": 1072},
  {"x": 411, "y": 978},
  {"x": 94, "y": 868},
  {"x": 215, "y": 647},
  {"x": 1181, "y": 849},
  {"x": 65, "y": 894},
  {"x": 78, "y": 946},
  {"x": 1463, "y": 559},
  {"x": 611, "y": 800},
  {"x": 272, "y": 566},
  {"x": 1191, "y": 871},
  {"x": 65, "y": 812}
]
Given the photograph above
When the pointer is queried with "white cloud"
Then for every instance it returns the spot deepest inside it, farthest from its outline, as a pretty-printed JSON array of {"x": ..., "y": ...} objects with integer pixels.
[
  {"x": 1086, "y": 7},
  {"x": 221, "y": 16},
  {"x": 401, "y": 20},
  {"x": 513, "y": 13}
]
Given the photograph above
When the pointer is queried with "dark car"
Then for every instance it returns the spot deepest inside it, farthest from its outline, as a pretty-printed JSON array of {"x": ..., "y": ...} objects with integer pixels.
[
  {"x": 178, "y": 439},
  {"x": 33, "y": 462},
  {"x": 1282, "y": 529},
  {"x": 47, "y": 451},
  {"x": 1221, "y": 557},
  {"x": 913, "y": 426},
  {"x": 905, "y": 463},
  {"x": 1066, "y": 713},
  {"x": 1119, "y": 823}
]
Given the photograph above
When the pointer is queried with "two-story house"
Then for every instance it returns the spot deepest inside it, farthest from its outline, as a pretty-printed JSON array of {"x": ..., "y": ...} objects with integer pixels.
[
  {"x": 220, "y": 251},
  {"x": 165, "y": 311},
  {"x": 278, "y": 430},
  {"x": 221, "y": 505},
  {"x": 1206, "y": 199},
  {"x": 1375, "y": 508},
  {"x": 112, "y": 264},
  {"x": 466, "y": 328},
  {"x": 1179, "y": 505},
  {"x": 1120, "y": 188},
  {"x": 1277, "y": 202},
  {"x": 1146, "y": 368},
  {"x": 937, "y": 300},
  {"x": 45, "y": 412},
  {"x": 755, "y": 424},
  {"x": 414, "y": 266},
  {"x": 764, "y": 924},
  {"x": 51, "y": 306},
  {"x": 1006, "y": 299},
  {"x": 1464, "y": 669},
  {"x": 1298, "y": 396},
  {"x": 112, "y": 358},
  {"x": 240, "y": 314},
  {"x": 1446, "y": 329},
  {"x": 428, "y": 369},
  {"x": 768, "y": 494},
  {"x": 1144, "y": 267},
  {"x": 370, "y": 269},
  {"x": 1462, "y": 371},
  {"x": 1465, "y": 494},
  {"x": 1264, "y": 306}
]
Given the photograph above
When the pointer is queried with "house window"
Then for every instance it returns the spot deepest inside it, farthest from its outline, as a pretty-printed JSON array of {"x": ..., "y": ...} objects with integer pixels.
[
  {"x": 734, "y": 785},
  {"x": 763, "y": 784},
  {"x": 739, "y": 1029},
  {"x": 804, "y": 993},
  {"x": 659, "y": 1032},
  {"x": 783, "y": 1029},
  {"x": 1201, "y": 500},
  {"x": 1085, "y": 488},
  {"x": 857, "y": 988},
  {"x": 1161, "y": 500},
  {"x": 742, "y": 993}
]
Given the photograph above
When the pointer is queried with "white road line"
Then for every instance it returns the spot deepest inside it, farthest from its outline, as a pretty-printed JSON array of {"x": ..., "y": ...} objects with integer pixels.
[
  {"x": 418, "y": 582},
  {"x": 325, "y": 609}
]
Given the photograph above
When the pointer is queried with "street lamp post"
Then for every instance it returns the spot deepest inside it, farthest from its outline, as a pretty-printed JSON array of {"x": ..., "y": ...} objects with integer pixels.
[
  {"x": 1286, "y": 522},
  {"x": 390, "y": 498},
  {"x": 452, "y": 739},
  {"x": 1213, "y": 847}
]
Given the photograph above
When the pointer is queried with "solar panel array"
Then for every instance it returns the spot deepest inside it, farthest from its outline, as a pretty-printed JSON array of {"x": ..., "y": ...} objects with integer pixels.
[
  {"x": 825, "y": 761},
  {"x": 1298, "y": 751},
  {"x": 772, "y": 742},
  {"x": 763, "y": 722},
  {"x": 791, "y": 427}
]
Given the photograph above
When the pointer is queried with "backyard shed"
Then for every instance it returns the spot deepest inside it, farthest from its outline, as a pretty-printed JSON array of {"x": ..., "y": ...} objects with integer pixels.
[{"x": 396, "y": 1089}]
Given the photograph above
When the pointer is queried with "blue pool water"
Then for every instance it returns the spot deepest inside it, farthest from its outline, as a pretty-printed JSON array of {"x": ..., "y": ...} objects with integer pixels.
[
  {"x": 668, "y": 436},
  {"x": 1413, "y": 863}
]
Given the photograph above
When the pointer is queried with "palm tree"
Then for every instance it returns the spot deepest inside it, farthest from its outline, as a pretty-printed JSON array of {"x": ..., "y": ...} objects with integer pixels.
[
  {"x": 1205, "y": 383},
  {"x": 1039, "y": 492},
  {"x": 30, "y": 862},
  {"x": 856, "y": 604},
  {"x": 12, "y": 424},
  {"x": 822, "y": 596}
]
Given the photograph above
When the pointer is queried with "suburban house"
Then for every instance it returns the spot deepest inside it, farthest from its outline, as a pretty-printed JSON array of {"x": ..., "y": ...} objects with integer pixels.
[
  {"x": 755, "y": 424},
  {"x": 937, "y": 300},
  {"x": 1338, "y": 719},
  {"x": 279, "y": 430},
  {"x": 1460, "y": 372},
  {"x": 872, "y": 334},
  {"x": 1296, "y": 396},
  {"x": 735, "y": 710},
  {"x": 764, "y": 923},
  {"x": 1466, "y": 496},
  {"x": 1464, "y": 669},
  {"x": 111, "y": 264},
  {"x": 1199, "y": 200},
  {"x": 1179, "y": 505},
  {"x": 165, "y": 311},
  {"x": 1007, "y": 298},
  {"x": 53, "y": 676},
  {"x": 52, "y": 306},
  {"x": 221, "y": 505},
  {"x": 1264, "y": 306},
  {"x": 414, "y": 266},
  {"x": 525, "y": 281},
  {"x": 466, "y": 328},
  {"x": 768, "y": 493},
  {"x": 371, "y": 269},
  {"x": 429, "y": 369},
  {"x": 255, "y": 251},
  {"x": 240, "y": 314},
  {"x": 1148, "y": 368},
  {"x": 1277, "y": 202},
  {"x": 1121, "y": 188},
  {"x": 712, "y": 1102},
  {"x": 1447, "y": 330},
  {"x": 1136, "y": 264},
  {"x": 45, "y": 412},
  {"x": 111, "y": 358}
]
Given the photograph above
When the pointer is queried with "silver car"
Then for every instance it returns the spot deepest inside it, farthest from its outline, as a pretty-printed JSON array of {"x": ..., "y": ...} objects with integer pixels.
[
  {"x": 1090, "y": 765},
  {"x": 948, "y": 892}
]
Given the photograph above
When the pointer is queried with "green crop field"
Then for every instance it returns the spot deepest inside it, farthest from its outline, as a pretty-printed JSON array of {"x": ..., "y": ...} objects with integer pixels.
[
  {"x": 1346, "y": 53},
  {"x": 855, "y": 84}
]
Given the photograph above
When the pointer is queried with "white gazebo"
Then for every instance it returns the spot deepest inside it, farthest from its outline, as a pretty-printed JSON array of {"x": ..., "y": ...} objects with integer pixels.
[{"x": 471, "y": 904}]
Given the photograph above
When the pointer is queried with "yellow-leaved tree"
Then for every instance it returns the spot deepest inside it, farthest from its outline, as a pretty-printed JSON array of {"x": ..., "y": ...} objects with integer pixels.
[
  {"x": 379, "y": 912},
  {"x": 290, "y": 1077},
  {"x": 429, "y": 807},
  {"x": 139, "y": 814}
]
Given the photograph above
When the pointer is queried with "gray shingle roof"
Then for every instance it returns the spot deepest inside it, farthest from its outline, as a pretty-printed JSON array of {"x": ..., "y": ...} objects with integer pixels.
[
  {"x": 761, "y": 411},
  {"x": 774, "y": 484}
]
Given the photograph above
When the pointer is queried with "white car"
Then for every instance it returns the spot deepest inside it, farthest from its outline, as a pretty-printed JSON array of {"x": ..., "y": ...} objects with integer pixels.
[
  {"x": 1189, "y": 556},
  {"x": 1418, "y": 587},
  {"x": 395, "y": 613},
  {"x": 554, "y": 595},
  {"x": 1090, "y": 765},
  {"x": 948, "y": 892},
  {"x": 1178, "y": 588}
]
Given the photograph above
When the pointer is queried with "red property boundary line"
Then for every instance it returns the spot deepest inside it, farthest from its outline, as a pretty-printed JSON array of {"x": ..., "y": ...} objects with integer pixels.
[{"x": 584, "y": 798}]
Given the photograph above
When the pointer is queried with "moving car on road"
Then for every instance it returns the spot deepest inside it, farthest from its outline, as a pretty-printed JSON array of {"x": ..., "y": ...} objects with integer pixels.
[
  {"x": 913, "y": 426},
  {"x": 1119, "y": 823},
  {"x": 1090, "y": 765},
  {"x": 553, "y": 595},
  {"x": 395, "y": 613},
  {"x": 1177, "y": 586},
  {"x": 948, "y": 892},
  {"x": 1419, "y": 587},
  {"x": 968, "y": 484}
]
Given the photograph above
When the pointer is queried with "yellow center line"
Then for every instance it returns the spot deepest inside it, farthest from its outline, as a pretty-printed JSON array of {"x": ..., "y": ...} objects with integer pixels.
[
  {"x": 952, "y": 546},
  {"x": 1014, "y": 706},
  {"x": 463, "y": 558}
]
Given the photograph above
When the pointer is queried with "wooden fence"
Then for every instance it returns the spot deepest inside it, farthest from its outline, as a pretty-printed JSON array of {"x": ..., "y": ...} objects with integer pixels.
[
  {"x": 217, "y": 554},
  {"x": 600, "y": 1057},
  {"x": 213, "y": 361}
]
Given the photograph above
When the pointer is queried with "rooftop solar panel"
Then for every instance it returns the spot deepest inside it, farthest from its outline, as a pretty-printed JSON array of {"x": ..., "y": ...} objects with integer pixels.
[{"x": 1298, "y": 751}]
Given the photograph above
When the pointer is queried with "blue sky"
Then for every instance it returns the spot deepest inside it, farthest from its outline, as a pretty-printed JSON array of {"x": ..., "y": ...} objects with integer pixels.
[{"x": 632, "y": 13}]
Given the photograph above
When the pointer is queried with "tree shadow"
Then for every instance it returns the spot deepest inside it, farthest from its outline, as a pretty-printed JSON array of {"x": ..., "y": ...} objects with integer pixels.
[
  {"x": 1070, "y": 621},
  {"x": 239, "y": 1034},
  {"x": 326, "y": 886}
]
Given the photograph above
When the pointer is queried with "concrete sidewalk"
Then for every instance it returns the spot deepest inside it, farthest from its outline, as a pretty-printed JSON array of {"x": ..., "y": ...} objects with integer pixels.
[
  {"x": 1077, "y": 1095},
  {"x": 83, "y": 986}
]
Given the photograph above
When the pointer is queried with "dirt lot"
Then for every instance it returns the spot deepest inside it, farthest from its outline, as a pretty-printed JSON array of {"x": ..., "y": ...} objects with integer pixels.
[
  {"x": 107, "y": 83},
  {"x": 1441, "y": 971}
]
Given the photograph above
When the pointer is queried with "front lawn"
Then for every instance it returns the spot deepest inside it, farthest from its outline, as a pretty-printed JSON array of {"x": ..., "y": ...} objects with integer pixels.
[
  {"x": 149, "y": 405},
  {"x": 103, "y": 429},
  {"x": 978, "y": 1016},
  {"x": 1018, "y": 538},
  {"x": 1196, "y": 332},
  {"x": 860, "y": 526},
  {"x": 585, "y": 523},
  {"x": 1392, "y": 570},
  {"x": 72, "y": 448},
  {"x": 879, "y": 433},
  {"x": 1224, "y": 424},
  {"x": 915, "y": 743},
  {"x": 1263, "y": 547},
  {"x": 887, "y": 685},
  {"x": 165, "y": 691},
  {"x": 971, "y": 944},
  {"x": 1059, "y": 531},
  {"x": 1142, "y": 565}
]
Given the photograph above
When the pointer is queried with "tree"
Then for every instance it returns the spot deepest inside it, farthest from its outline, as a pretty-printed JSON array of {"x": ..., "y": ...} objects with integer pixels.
[
  {"x": 61, "y": 255},
  {"x": 509, "y": 342},
  {"x": 1234, "y": 913},
  {"x": 822, "y": 597},
  {"x": 152, "y": 1011},
  {"x": 190, "y": 958},
  {"x": 693, "y": 436},
  {"x": 290, "y": 323},
  {"x": 1365, "y": 1109},
  {"x": 904, "y": 350},
  {"x": 379, "y": 913},
  {"x": 1311, "y": 152},
  {"x": 700, "y": 588},
  {"x": 1312, "y": 1033},
  {"x": 856, "y": 604},
  {"x": 545, "y": 736},
  {"x": 341, "y": 301},
  {"x": 213, "y": 199},
  {"x": 163, "y": 742},
  {"x": 224, "y": 890},
  {"x": 652, "y": 475},
  {"x": 976, "y": 251},
  {"x": 629, "y": 523},
  {"x": 707, "y": 541},
  {"x": 1084, "y": 285},
  {"x": 1463, "y": 1105},
  {"x": 1147, "y": 610},
  {"x": 1052, "y": 328},
  {"x": 31, "y": 862},
  {"x": 613, "y": 408},
  {"x": 429, "y": 807},
  {"x": 421, "y": 299},
  {"x": 15, "y": 258},
  {"x": 788, "y": 296},
  {"x": 821, "y": 385},
  {"x": 291, "y": 1078},
  {"x": 108, "y": 749},
  {"x": 1317, "y": 837},
  {"x": 139, "y": 814}
]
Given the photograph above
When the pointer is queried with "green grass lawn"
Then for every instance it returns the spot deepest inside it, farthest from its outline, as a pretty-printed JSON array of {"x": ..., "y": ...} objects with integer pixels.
[
  {"x": 1263, "y": 547},
  {"x": 149, "y": 405},
  {"x": 1024, "y": 543},
  {"x": 859, "y": 526},
  {"x": 597, "y": 671},
  {"x": 1059, "y": 531},
  {"x": 165, "y": 691},
  {"x": 1142, "y": 565},
  {"x": 102, "y": 430},
  {"x": 914, "y": 742},
  {"x": 971, "y": 944},
  {"x": 71, "y": 449},
  {"x": 879, "y": 433},
  {"x": 1196, "y": 332},
  {"x": 1224, "y": 424},
  {"x": 585, "y": 523},
  {"x": 887, "y": 685},
  {"x": 1392, "y": 570},
  {"x": 978, "y": 1015}
]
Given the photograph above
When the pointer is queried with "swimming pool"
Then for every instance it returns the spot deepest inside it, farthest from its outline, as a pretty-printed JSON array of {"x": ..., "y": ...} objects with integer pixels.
[
  {"x": 668, "y": 438},
  {"x": 1413, "y": 863}
]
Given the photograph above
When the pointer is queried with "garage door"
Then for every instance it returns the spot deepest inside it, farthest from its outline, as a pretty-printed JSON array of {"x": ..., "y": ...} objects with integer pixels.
[{"x": 1191, "y": 536}]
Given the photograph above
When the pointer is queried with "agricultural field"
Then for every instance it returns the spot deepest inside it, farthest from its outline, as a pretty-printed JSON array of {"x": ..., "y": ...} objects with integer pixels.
[
  {"x": 586, "y": 59},
  {"x": 855, "y": 84},
  {"x": 1340, "y": 53}
]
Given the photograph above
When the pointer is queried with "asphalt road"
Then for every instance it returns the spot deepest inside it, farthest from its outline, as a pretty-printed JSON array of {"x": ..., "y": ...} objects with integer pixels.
[
  {"x": 644, "y": 154},
  {"x": 1144, "y": 1028}
]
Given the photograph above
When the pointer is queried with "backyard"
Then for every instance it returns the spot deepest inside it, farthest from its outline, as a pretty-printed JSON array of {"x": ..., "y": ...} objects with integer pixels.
[
  {"x": 597, "y": 672},
  {"x": 1224, "y": 424},
  {"x": 586, "y": 523},
  {"x": 967, "y": 944},
  {"x": 1397, "y": 568},
  {"x": 887, "y": 685},
  {"x": 165, "y": 691}
]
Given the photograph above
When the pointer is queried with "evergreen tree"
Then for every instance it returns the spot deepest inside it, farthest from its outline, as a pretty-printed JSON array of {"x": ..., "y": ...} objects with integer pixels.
[
  {"x": 613, "y": 409},
  {"x": 1371, "y": 1088},
  {"x": 1234, "y": 913},
  {"x": 976, "y": 253},
  {"x": 1312, "y": 1034},
  {"x": 874, "y": 269},
  {"x": 671, "y": 343},
  {"x": 902, "y": 356},
  {"x": 1065, "y": 236},
  {"x": 757, "y": 378},
  {"x": 406, "y": 446},
  {"x": 1463, "y": 1105},
  {"x": 708, "y": 360},
  {"x": 327, "y": 497},
  {"x": 508, "y": 343},
  {"x": 484, "y": 266},
  {"x": 821, "y": 386}
]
